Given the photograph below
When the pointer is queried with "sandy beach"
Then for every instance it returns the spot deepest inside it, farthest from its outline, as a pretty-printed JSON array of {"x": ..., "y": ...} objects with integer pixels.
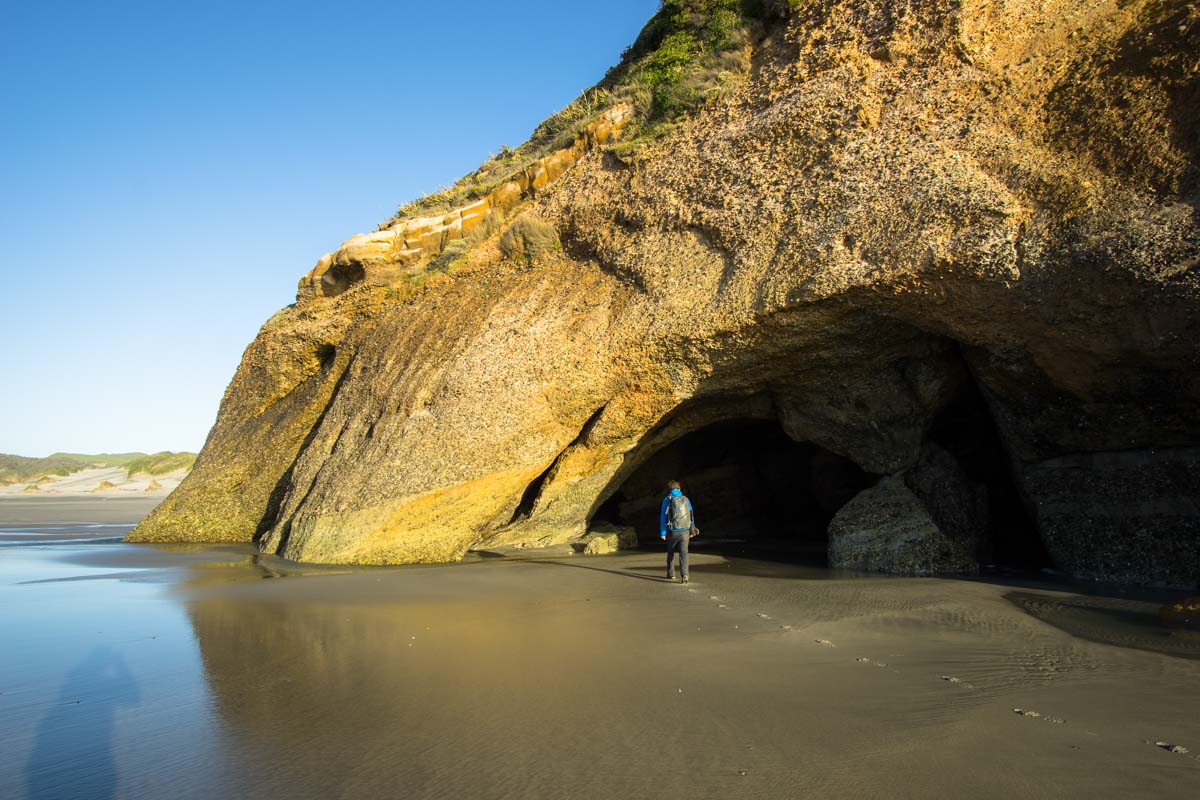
[
  {"x": 150, "y": 671},
  {"x": 21, "y": 510}
]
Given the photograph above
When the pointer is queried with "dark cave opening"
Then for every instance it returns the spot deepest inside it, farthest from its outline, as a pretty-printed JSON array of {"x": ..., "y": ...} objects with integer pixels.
[
  {"x": 966, "y": 430},
  {"x": 754, "y": 489},
  {"x": 759, "y": 493},
  {"x": 341, "y": 277}
]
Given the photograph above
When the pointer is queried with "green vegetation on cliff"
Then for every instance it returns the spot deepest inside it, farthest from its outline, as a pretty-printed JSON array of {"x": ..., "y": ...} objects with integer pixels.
[
  {"x": 529, "y": 238},
  {"x": 683, "y": 56}
]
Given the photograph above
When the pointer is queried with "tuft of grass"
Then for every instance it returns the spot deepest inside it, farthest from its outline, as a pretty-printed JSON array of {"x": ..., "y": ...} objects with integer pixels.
[
  {"x": 529, "y": 238},
  {"x": 454, "y": 250}
]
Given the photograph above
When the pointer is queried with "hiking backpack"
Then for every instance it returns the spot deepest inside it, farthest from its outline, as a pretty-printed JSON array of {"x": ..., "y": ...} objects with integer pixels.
[{"x": 679, "y": 513}]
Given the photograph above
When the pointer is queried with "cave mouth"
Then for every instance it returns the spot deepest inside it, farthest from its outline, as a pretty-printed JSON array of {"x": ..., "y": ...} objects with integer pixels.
[
  {"x": 754, "y": 489},
  {"x": 965, "y": 428}
]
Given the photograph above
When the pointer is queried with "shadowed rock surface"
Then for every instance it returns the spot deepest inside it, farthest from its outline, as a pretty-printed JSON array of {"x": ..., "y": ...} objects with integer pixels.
[{"x": 893, "y": 206}]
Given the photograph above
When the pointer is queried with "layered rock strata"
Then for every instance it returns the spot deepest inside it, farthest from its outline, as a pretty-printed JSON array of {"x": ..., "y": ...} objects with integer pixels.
[
  {"x": 402, "y": 248},
  {"x": 895, "y": 200}
]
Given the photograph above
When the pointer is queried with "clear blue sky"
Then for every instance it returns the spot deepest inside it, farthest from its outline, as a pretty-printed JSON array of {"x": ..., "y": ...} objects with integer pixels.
[{"x": 168, "y": 171}]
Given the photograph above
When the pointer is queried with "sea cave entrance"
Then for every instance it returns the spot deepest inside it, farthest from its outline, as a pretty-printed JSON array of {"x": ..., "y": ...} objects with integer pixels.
[
  {"x": 965, "y": 428},
  {"x": 755, "y": 490},
  {"x": 759, "y": 493}
]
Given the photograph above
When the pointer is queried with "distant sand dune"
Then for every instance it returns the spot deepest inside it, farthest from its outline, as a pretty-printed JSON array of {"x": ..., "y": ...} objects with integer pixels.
[{"x": 106, "y": 480}]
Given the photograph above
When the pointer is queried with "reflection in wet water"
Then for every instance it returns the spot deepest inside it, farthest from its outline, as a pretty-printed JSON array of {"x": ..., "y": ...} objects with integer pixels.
[
  {"x": 102, "y": 693},
  {"x": 380, "y": 693},
  {"x": 198, "y": 678},
  {"x": 73, "y": 751}
]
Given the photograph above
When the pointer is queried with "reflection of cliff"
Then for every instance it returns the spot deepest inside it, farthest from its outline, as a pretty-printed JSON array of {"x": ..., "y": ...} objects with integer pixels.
[
  {"x": 327, "y": 693},
  {"x": 288, "y": 677}
]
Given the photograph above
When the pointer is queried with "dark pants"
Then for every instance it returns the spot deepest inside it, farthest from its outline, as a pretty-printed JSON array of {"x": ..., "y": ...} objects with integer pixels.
[{"x": 677, "y": 541}]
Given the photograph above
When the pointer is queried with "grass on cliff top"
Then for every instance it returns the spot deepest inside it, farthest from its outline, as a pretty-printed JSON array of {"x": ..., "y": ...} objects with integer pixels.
[
  {"x": 683, "y": 56},
  {"x": 24, "y": 469}
]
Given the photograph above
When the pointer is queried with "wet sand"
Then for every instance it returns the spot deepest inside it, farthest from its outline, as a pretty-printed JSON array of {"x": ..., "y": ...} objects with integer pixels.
[
  {"x": 212, "y": 672},
  {"x": 18, "y": 511}
]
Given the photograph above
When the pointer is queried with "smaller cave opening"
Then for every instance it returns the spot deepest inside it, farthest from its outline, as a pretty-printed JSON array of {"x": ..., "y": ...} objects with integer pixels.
[
  {"x": 325, "y": 354},
  {"x": 341, "y": 277},
  {"x": 966, "y": 430},
  {"x": 755, "y": 491}
]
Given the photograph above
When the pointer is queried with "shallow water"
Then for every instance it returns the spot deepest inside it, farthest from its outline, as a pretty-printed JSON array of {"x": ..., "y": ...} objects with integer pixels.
[{"x": 135, "y": 671}]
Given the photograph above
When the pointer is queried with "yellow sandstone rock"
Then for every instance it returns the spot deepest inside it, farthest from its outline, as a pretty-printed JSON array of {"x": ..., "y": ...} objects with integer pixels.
[
  {"x": 885, "y": 219},
  {"x": 380, "y": 256}
]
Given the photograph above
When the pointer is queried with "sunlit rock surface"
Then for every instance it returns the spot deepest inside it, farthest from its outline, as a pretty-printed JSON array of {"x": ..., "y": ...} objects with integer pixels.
[{"x": 896, "y": 205}]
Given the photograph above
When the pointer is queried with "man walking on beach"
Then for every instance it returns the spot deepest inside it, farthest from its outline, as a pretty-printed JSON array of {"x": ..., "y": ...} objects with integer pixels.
[{"x": 675, "y": 523}]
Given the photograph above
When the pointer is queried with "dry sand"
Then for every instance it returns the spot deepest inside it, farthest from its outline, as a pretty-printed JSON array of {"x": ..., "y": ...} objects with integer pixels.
[
  {"x": 98, "y": 482},
  {"x": 592, "y": 677}
]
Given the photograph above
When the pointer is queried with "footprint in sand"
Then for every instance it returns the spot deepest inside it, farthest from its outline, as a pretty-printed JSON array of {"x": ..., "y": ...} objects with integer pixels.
[
  {"x": 1170, "y": 748},
  {"x": 786, "y": 627},
  {"x": 722, "y": 605},
  {"x": 952, "y": 679},
  {"x": 763, "y": 616},
  {"x": 869, "y": 661},
  {"x": 1026, "y": 713},
  {"x": 824, "y": 642}
]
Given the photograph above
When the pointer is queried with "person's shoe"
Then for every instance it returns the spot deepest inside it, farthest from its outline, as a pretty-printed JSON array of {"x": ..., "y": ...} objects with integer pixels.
[
  {"x": 670, "y": 576},
  {"x": 685, "y": 578}
]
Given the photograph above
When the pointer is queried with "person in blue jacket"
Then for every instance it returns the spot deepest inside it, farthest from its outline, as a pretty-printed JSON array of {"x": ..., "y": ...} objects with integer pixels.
[{"x": 676, "y": 520}]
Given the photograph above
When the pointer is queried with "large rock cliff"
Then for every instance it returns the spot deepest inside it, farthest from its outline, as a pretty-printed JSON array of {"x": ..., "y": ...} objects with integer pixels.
[{"x": 888, "y": 206}]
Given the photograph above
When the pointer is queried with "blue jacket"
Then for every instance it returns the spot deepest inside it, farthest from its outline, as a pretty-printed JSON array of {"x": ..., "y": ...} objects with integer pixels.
[{"x": 662, "y": 514}]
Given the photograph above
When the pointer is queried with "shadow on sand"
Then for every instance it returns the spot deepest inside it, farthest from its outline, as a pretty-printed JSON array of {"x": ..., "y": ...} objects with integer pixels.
[
  {"x": 72, "y": 753},
  {"x": 623, "y": 573}
]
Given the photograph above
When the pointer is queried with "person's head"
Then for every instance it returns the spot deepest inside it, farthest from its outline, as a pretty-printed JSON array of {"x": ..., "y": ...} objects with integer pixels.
[{"x": 673, "y": 485}]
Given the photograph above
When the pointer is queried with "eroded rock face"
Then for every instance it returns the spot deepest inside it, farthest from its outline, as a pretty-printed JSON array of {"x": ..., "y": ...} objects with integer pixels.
[
  {"x": 604, "y": 539},
  {"x": 927, "y": 520},
  {"x": 1131, "y": 513},
  {"x": 896, "y": 200},
  {"x": 887, "y": 529},
  {"x": 402, "y": 248}
]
